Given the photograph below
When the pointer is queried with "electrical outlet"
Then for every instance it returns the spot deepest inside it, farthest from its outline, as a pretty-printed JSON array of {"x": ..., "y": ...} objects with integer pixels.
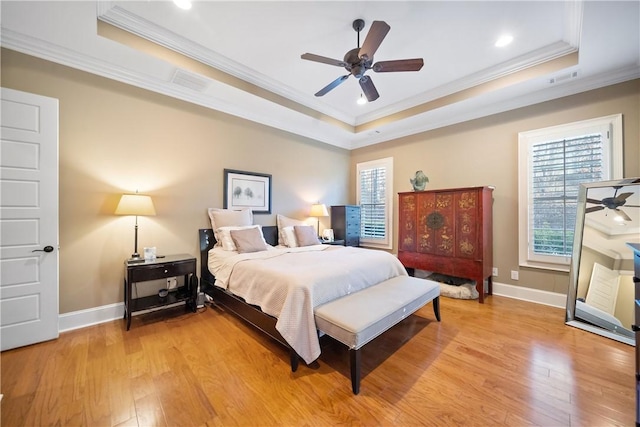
[
  {"x": 514, "y": 275},
  {"x": 172, "y": 283},
  {"x": 495, "y": 271}
]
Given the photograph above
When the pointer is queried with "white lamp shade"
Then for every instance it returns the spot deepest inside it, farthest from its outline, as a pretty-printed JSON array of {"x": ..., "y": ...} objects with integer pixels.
[
  {"x": 318, "y": 210},
  {"x": 135, "y": 204}
]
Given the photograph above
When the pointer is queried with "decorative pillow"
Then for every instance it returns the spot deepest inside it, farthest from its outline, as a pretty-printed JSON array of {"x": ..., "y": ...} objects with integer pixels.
[
  {"x": 248, "y": 240},
  {"x": 306, "y": 235},
  {"x": 225, "y": 236},
  {"x": 229, "y": 218},
  {"x": 290, "y": 237},
  {"x": 282, "y": 222}
]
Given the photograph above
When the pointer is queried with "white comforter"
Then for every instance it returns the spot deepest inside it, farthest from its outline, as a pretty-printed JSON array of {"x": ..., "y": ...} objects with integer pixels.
[{"x": 289, "y": 283}]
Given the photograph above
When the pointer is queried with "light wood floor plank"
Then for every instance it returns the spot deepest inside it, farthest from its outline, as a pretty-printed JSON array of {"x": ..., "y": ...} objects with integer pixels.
[{"x": 502, "y": 363}]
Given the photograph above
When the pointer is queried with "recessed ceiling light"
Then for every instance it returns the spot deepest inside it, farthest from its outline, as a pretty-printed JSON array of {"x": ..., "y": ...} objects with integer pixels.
[
  {"x": 183, "y": 4},
  {"x": 361, "y": 100},
  {"x": 504, "y": 40}
]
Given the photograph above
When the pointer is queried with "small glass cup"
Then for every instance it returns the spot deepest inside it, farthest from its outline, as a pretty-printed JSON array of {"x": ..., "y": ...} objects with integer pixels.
[{"x": 150, "y": 254}]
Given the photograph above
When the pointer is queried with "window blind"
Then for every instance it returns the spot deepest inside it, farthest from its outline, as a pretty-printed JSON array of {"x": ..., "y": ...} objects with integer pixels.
[
  {"x": 558, "y": 168},
  {"x": 373, "y": 209}
]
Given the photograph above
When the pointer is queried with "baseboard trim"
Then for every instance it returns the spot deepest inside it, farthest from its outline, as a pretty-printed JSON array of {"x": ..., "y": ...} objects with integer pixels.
[
  {"x": 107, "y": 313},
  {"x": 537, "y": 296},
  {"x": 89, "y": 317}
]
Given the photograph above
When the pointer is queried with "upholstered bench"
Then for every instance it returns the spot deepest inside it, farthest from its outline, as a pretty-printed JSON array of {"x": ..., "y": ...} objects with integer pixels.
[{"x": 358, "y": 318}]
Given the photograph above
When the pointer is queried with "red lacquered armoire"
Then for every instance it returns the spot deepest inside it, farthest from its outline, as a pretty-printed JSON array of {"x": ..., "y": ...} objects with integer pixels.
[{"x": 449, "y": 232}]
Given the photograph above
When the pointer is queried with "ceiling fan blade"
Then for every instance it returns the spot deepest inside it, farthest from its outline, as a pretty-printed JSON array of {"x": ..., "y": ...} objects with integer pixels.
[
  {"x": 368, "y": 88},
  {"x": 323, "y": 59},
  {"x": 398, "y": 65},
  {"x": 622, "y": 214},
  {"x": 594, "y": 209},
  {"x": 376, "y": 34},
  {"x": 332, "y": 85},
  {"x": 597, "y": 202},
  {"x": 623, "y": 196}
]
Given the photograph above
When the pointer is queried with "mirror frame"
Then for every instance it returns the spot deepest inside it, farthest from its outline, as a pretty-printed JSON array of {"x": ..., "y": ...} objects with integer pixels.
[{"x": 570, "y": 318}]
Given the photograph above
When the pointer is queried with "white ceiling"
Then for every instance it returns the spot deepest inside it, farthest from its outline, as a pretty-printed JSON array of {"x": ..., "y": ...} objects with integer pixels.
[{"x": 258, "y": 44}]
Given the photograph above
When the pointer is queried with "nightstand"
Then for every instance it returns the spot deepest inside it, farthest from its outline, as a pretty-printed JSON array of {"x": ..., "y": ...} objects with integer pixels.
[
  {"x": 160, "y": 268},
  {"x": 334, "y": 242}
]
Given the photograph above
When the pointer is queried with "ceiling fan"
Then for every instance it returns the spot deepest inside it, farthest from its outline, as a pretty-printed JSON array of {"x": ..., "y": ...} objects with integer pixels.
[
  {"x": 357, "y": 61},
  {"x": 612, "y": 203}
]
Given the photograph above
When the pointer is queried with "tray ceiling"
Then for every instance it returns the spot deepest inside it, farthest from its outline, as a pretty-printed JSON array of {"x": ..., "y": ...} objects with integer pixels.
[{"x": 243, "y": 58}]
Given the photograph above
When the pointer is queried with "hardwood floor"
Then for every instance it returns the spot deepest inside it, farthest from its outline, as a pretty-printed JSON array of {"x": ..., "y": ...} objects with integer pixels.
[{"x": 504, "y": 363}]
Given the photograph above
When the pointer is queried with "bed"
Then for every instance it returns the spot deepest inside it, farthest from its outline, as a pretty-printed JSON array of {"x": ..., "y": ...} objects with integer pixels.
[{"x": 298, "y": 280}]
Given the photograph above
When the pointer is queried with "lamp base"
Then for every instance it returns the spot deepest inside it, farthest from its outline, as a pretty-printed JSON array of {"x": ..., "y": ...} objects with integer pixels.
[{"x": 135, "y": 258}]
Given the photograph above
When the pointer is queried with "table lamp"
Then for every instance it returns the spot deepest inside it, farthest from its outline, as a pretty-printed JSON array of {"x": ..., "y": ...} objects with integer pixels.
[
  {"x": 318, "y": 210},
  {"x": 135, "y": 204}
]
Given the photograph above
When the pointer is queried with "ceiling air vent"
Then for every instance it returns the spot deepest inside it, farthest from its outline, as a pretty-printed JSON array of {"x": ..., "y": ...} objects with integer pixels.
[
  {"x": 563, "y": 77},
  {"x": 190, "y": 81}
]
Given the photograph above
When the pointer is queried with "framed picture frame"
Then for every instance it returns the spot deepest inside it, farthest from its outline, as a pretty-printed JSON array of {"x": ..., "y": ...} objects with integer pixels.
[{"x": 247, "y": 190}]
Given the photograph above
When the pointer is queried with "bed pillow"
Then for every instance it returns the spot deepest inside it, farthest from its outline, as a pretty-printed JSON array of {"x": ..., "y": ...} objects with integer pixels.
[
  {"x": 290, "y": 237},
  {"x": 225, "y": 236},
  {"x": 229, "y": 218},
  {"x": 282, "y": 222},
  {"x": 306, "y": 235},
  {"x": 248, "y": 240}
]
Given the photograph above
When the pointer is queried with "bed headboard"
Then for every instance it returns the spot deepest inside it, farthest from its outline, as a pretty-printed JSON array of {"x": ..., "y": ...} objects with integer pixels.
[{"x": 207, "y": 241}]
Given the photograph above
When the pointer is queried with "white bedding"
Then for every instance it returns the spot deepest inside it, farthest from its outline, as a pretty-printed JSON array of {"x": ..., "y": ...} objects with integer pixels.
[{"x": 288, "y": 283}]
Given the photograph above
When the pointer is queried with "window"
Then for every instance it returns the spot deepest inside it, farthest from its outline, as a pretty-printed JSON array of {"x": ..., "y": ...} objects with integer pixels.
[
  {"x": 553, "y": 163},
  {"x": 375, "y": 185}
]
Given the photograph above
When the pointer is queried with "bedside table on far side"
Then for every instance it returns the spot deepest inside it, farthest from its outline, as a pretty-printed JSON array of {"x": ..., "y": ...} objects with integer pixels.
[
  {"x": 334, "y": 242},
  {"x": 160, "y": 268}
]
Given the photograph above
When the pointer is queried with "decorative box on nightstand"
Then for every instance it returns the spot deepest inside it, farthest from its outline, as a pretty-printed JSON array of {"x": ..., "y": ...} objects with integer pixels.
[{"x": 160, "y": 268}]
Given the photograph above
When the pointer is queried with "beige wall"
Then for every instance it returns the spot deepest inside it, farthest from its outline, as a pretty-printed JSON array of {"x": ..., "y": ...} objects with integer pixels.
[
  {"x": 485, "y": 152},
  {"x": 115, "y": 138}
]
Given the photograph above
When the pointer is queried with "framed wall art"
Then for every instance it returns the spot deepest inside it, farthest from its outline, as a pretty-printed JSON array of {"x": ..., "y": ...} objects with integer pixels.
[{"x": 247, "y": 190}]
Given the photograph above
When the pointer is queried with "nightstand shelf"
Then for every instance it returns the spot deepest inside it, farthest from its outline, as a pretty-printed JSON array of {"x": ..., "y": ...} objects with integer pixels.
[
  {"x": 160, "y": 268},
  {"x": 154, "y": 301}
]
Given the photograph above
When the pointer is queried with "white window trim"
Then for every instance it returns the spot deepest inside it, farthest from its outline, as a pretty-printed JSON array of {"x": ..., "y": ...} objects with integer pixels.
[
  {"x": 525, "y": 139},
  {"x": 387, "y": 162}
]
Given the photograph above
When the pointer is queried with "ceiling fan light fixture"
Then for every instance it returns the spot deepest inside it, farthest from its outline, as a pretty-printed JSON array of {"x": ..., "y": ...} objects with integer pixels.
[
  {"x": 618, "y": 218},
  {"x": 504, "y": 40},
  {"x": 362, "y": 100}
]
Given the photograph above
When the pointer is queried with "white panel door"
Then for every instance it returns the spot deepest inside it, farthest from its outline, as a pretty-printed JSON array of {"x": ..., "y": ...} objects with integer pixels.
[
  {"x": 28, "y": 219},
  {"x": 603, "y": 289}
]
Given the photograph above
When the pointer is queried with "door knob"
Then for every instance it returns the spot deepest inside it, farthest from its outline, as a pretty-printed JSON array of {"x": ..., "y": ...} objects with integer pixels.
[{"x": 46, "y": 249}]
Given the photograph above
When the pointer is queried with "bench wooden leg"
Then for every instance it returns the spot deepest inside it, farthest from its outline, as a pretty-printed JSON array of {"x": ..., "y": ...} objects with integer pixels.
[
  {"x": 354, "y": 361},
  {"x": 436, "y": 307},
  {"x": 294, "y": 359}
]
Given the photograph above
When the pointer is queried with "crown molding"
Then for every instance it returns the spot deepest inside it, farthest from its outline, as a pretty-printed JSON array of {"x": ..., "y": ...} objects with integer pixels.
[
  {"x": 287, "y": 120},
  {"x": 444, "y": 117},
  {"x": 134, "y": 24}
]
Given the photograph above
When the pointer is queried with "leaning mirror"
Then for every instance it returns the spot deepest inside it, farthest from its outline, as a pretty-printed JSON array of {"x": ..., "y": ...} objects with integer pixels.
[{"x": 601, "y": 293}]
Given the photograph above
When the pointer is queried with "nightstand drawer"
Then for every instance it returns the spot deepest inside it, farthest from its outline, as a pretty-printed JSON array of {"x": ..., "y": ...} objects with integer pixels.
[{"x": 162, "y": 271}]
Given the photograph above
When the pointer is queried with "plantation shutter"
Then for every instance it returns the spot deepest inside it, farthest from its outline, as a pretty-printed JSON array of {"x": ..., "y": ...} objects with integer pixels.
[
  {"x": 558, "y": 168},
  {"x": 373, "y": 207},
  {"x": 374, "y": 184}
]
